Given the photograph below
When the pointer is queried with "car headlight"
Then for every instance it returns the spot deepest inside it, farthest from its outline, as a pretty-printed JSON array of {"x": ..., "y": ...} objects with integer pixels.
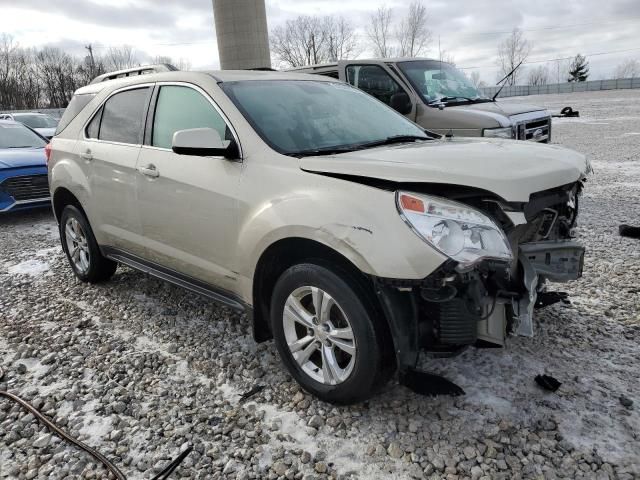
[
  {"x": 505, "y": 132},
  {"x": 460, "y": 232}
]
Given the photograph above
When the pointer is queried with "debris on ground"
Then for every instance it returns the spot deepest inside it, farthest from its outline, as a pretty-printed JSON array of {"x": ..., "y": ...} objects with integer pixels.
[{"x": 548, "y": 382}]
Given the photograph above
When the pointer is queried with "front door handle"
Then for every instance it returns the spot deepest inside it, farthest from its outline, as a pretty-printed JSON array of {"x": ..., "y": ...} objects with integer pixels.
[
  {"x": 88, "y": 156},
  {"x": 149, "y": 170}
]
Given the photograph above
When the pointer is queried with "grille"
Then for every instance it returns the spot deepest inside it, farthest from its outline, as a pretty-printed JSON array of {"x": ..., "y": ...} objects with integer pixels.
[
  {"x": 28, "y": 187},
  {"x": 538, "y": 130}
]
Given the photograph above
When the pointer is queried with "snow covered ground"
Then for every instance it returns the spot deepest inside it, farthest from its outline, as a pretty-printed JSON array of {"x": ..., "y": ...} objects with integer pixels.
[{"x": 140, "y": 369}]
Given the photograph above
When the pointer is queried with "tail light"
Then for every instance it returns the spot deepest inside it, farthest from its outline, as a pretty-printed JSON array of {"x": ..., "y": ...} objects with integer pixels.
[{"x": 47, "y": 152}]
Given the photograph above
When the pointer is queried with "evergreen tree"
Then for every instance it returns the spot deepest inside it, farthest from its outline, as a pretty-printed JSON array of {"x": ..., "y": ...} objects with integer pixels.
[{"x": 579, "y": 69}]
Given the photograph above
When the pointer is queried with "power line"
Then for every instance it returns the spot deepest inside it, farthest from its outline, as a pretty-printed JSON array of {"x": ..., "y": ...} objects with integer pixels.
[
  {"x": 561, "y": 58},
  {"x": 557, "y": 27}
]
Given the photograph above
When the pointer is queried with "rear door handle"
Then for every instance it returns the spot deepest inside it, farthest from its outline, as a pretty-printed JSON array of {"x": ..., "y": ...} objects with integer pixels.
[
  {"x": 87, "y": 156},
  {"x": 149, "y": 170}
]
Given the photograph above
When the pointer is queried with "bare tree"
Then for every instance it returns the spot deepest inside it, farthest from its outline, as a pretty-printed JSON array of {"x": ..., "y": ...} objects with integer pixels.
[
  {"x": 58, "y": 74},
  {"x": 302, "y": 41},
  {"x": 630, "y": 68},
  {"x": 539, "y": 75},
  {"x": 511, "y": 51},
  {"x": 560, "y": 67},
  {"x": 379, "y": 32},
  {"x": 48, "y": 77},
  {"x": 475, "y": 79},
  {"x": 342, "y": 42},
  {"x": 412, "y": 33},
  {"x": 119, "y": 58},
  {"x": 180, "y": 64},
  {"x": 447, "y": 57}
]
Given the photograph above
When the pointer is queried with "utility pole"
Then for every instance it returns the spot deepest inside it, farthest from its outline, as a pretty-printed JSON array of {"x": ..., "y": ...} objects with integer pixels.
[
  {"x": 243, "y": 37},
  {"x": 92, "y": 63}
]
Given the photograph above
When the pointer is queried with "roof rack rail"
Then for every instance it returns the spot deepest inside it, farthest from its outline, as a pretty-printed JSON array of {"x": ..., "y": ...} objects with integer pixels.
[{"x": 132, "y": 72}]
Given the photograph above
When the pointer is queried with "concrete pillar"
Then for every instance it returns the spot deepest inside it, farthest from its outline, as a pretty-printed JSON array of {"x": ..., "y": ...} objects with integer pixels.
[{"x": 241, "y": 30}]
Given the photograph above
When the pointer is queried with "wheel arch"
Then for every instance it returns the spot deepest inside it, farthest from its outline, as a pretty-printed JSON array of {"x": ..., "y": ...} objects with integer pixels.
[
  {"x": 63, "y": 197},
  {"x": 281, "y": 255}
]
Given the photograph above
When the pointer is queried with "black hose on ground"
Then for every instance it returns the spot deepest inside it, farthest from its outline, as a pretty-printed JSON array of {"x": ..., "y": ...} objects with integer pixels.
[{"x": 163, "y": 475}]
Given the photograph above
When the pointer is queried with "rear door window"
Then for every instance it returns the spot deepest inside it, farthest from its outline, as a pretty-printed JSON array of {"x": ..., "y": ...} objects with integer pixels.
[
  {"x": 183, "y": 108},
  {"x": 123, "y": 116}
]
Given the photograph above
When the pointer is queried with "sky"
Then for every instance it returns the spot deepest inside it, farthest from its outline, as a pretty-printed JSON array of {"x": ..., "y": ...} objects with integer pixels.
[{"x": 469, "y": 30}]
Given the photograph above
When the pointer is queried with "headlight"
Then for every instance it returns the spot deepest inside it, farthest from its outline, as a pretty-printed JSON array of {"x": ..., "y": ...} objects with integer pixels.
[
  {"x": 506, "y": 132},
  {"x": 460, "y": 232}
]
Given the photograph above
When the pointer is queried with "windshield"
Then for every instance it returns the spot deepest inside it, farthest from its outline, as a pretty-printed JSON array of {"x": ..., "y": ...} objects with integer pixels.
[
  {"x": 36, "y": 121},
  {"x": 435, "y": 80},
  {"x": 14, "y": 135},
  {"x": 297, "y": 116}
]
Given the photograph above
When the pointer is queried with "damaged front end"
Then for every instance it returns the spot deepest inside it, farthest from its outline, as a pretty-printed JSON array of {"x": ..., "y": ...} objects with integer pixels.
[{"x": 485, "y": 290}]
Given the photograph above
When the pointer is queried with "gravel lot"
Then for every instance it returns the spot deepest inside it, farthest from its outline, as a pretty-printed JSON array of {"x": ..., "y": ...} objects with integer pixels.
[{"x": 139, "y": 368}]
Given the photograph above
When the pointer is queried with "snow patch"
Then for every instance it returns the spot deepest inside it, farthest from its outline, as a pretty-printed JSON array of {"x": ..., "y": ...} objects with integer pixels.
[
  {"x": 346, "y": 455},
  {"x": 30, "y": 267},
  {"x": 95, "y": 428}
]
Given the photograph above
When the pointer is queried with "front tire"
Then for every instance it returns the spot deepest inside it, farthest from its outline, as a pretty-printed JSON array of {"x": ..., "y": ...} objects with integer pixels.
[
  {"x": 81, "y": 248},
  {"x": 328, "y": 335}
]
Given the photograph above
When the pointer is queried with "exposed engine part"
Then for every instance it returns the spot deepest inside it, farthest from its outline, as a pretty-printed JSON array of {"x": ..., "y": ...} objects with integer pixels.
[
  {"x": 481, "y": 304},
  {"x": 558, "y": 261},
  {"x": 493, "y": 329},
  {"x": 455, "y": 324}
]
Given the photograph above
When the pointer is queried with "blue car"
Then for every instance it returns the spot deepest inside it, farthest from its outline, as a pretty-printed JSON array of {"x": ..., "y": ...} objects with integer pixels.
[{"x": 23, "y": 168}]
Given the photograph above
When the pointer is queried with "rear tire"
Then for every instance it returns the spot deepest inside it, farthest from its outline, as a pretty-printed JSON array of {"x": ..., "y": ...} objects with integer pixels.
[
  {"x": 328, "y": 335},
  {"x": 81, "y": 248}
]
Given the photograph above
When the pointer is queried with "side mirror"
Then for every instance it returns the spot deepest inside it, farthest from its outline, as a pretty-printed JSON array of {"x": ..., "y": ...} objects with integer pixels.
[
  {"x": 203, "y": 142},
  {"x": 401, "y": 103}
]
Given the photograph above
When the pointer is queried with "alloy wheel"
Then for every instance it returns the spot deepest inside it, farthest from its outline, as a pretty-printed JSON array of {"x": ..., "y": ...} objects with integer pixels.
[
  {"x": 77, "y": 245},
  {"x": 319, "y": 335}
]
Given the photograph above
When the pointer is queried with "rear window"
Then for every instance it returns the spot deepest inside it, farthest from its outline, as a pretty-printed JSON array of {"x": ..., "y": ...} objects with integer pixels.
[
  {"x": 77, "y": 103},
  {"x": 36, "y": 121}
]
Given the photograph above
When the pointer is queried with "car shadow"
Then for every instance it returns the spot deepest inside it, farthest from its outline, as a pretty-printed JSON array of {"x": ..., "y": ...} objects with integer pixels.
[{"x": 22, "y": 217}]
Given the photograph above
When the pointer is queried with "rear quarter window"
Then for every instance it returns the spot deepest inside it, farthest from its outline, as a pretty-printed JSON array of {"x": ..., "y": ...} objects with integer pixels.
[{"x": 76, "y": 105}]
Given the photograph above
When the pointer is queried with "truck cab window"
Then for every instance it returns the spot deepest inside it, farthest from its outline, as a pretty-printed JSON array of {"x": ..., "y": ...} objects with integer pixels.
[{"x": 374, "y": 80}]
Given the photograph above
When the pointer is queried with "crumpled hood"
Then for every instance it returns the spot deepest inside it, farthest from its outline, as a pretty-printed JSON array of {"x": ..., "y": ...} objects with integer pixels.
[
  {"x": 505, "y": 108},
  {"x": 511, "y": 169},
  {"x": 22, "y": 157}
]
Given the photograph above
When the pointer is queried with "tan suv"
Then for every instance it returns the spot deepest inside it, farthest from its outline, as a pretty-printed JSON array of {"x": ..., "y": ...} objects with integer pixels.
[{"x": 347, "y": 234}]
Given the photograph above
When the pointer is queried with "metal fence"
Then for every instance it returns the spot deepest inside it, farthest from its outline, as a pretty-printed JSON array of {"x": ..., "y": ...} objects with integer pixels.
[{"x": 588, "y": 86}]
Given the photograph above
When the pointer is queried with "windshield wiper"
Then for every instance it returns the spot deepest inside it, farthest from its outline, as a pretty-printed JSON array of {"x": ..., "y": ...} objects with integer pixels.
[
  {"x": 323, "y": 151},
  {"x": 394, "y": 139},
  {"x": 467, "y": 99},
  {"x": 359, "y": 146}
]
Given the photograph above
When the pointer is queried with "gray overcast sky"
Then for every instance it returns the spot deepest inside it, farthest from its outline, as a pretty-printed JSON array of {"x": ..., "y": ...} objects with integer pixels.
[{"x": 468, "y": 29}]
